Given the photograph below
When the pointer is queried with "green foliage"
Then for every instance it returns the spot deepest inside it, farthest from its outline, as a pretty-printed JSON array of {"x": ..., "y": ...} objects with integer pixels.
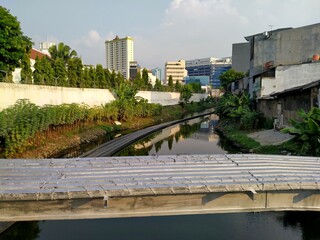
[
  {"x": 60, "y": 73},
  {"x": 100, "y": 77},
  {"x": 178, "y": 86},
  {"x": 229, "y": 76},
  {"x": 75, "y": 72},
  {"x": 126, "y": 100},
  {"x": 158, "y": 86},
  {"x": 238, "y": 108},
  {"x": 307, "y": 131},
  {"x": 244, "y": 140},
  {"x": 170, "y": 83},
  {"x": 196, "y": 87},
  {"x": 186, "y": 93},
  {"x": 26, "y": 72},
  {"x": 13, "y": 44},
  {"x": 62, "y": 51},
  {"x": 43, "y": 73}
]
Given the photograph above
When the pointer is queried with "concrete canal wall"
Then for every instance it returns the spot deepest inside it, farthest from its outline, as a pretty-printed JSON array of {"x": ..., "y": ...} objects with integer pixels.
[{"x": 41, "y": 95}]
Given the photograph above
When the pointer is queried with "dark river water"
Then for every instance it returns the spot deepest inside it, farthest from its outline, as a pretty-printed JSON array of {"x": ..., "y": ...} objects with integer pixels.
[{"x": 194, "y": 137}]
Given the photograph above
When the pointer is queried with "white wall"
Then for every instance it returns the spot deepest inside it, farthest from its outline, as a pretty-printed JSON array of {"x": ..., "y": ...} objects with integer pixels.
[
  {"x": 41, "y": 95},
  {"x": 290, "y": 76}
]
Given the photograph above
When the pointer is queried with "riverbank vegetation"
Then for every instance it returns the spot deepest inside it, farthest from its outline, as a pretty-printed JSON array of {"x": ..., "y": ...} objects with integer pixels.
[
  {"x": 25, "y": 126},
  {"x": 238, "y": 118},
  {"x": 307, "y": 132}
]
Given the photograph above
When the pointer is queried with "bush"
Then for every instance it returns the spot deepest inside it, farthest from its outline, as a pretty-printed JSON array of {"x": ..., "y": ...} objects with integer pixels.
[
  {"x": 307, "y": 131},
  {"x": 249, "y": 120}
]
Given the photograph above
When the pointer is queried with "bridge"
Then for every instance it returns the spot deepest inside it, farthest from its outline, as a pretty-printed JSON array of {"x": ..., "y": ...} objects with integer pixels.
[{"x": 109, "y": 187}]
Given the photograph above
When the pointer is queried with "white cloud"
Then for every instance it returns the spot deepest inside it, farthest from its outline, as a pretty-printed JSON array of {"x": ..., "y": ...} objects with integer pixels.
[{"x": 90, "y": 40}]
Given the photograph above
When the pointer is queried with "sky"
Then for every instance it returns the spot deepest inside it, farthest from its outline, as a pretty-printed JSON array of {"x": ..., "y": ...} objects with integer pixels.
[{"x": 163, "y": 30}]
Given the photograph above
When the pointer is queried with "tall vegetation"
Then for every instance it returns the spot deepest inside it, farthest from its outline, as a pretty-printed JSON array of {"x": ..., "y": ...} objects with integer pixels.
[
  {"x": 13, "y": 44},
  {"x": 238, "y": 109},
  {"x": 62, "y": 51},
  {"x": 229, "y": 76},
  {"x": 24, "y": 123},
  {"x": 307, "y": 132}
]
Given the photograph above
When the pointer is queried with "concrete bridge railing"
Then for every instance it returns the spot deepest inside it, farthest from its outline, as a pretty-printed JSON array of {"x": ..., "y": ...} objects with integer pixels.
[{"x": 109, "y": 187}]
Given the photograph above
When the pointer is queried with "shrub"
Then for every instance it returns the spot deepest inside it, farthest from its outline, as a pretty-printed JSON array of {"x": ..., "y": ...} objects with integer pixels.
[{"x": 307, "y": 131}]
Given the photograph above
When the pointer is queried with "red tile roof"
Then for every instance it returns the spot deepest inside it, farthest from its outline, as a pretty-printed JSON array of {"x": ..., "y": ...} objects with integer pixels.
[{"x": 36, "y": 53}]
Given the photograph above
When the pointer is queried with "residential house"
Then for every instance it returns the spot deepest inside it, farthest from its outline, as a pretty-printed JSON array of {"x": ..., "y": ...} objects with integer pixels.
[{"x": 281, "y": 65}]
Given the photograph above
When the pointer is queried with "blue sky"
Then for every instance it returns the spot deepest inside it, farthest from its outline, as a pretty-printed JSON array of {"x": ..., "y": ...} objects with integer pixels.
[{"x": 163, "y": 30}]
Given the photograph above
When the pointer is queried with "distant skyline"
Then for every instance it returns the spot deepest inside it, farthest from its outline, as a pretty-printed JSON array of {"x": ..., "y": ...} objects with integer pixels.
[{"x": 163, "y": 30}]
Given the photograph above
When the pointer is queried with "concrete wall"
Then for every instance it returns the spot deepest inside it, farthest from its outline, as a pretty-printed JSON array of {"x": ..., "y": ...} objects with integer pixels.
[
  {"x": 287, "y": 77},
  {"x": 241, "y": 57},
  {"x": 287, "y": 47},
  {"x": 41, "y": 95},
  {"x": 167, "y": 98}
]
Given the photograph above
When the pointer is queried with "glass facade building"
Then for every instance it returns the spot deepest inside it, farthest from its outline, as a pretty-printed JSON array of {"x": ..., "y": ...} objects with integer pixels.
[
  {"x": 210, "y": 67},
  {"x": 203, "y": 80}
]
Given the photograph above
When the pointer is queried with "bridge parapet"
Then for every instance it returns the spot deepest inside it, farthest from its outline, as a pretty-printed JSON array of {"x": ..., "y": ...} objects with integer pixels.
[{"x": 156, "y": 185}]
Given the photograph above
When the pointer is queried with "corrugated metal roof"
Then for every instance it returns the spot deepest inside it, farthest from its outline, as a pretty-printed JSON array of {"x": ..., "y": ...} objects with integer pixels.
[{"x": 154, "y": 175}]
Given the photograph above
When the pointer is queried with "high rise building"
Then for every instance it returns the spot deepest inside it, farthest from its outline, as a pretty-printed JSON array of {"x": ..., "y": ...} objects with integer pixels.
[
  {"x": 211, "y": 67},
  {"x": 177, "y": 70},
  {"x": 157, "y": 72},
  {"x": 119, "y": 54}
]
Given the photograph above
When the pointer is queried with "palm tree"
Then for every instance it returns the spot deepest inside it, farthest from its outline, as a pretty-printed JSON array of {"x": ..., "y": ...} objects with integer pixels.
[{"x": 62, "y": 51}]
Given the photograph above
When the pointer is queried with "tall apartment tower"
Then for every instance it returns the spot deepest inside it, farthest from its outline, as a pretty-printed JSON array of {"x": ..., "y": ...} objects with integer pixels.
[
  {"x": 119, "y": 54},
  {"x": 177, "y": 70}
]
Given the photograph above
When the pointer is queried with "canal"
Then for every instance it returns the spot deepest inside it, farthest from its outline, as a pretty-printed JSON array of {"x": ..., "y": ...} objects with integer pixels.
[{"x": 193, "y": 137}]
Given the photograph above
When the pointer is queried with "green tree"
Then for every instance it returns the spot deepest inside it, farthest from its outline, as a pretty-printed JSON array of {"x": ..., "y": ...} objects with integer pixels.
[
  {"x": 138, "y": 82},
  {"x": 13, "y": 44},
  {"x": 60, "y": 73},
  {"x": 158, "y": 86},
  {"x": 145, "y": 79},
  {"x": 229, "y": 76},
  {"x": 100, "y": 77},
  {"x": 92, "y": 77},
  {"x": 196, "y": 87},
  {"x": 86, "y": 83},
  {"x": 75, "y": 72},
  {"x": 170, "y": 83},
  {"x": 62, "y": 51},
  {"x": 126, "y": 100},
  {"x": 43, "y": 73},
  {"x": 186, "y": 93},
  {"x": 107, "y": 75},
  {"x": 178, "y": 86},
  {"x": 26, "y": 72}
]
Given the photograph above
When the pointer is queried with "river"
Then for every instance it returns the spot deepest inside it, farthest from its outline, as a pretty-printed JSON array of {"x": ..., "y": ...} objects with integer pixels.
[{"x": 193, "y": 137}]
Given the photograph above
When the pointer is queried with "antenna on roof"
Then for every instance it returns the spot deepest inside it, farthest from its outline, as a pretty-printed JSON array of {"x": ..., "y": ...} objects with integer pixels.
[{"x": 271, "y": 26}]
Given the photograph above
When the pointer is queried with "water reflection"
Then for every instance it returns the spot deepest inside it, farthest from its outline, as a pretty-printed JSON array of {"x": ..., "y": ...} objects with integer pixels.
[
  {"x": 196, "y": 136},
  {"x": 22, "y": 230},
  {"x": 308, "y": 222}
]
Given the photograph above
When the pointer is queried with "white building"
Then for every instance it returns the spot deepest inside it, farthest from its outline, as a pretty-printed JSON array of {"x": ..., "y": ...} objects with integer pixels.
[
  {"x": 44, "y": 47},
  {"x": 177, "y": 70},
  {"x": 119, "y": 54}
]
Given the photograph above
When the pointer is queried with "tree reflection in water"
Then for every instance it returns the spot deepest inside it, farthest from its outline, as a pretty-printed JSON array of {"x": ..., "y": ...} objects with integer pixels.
[
  {"x": 21, "y": 231},
  {"x": 308, "y": 222},
  {"x": 186, "y": 130}
]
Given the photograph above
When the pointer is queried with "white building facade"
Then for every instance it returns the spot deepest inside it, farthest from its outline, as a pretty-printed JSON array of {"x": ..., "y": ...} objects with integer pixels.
[
  {"x": 119, "y": 54},
  {"x": 177, "y": 70}
]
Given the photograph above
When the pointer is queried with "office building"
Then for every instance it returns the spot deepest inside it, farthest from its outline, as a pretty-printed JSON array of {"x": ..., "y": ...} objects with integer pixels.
[
  {"x": 119, "y": 54},
  {"x": 177, "y": 70},
  {"x": 211, "y": 67},
  {"x": 157, "y": 72}
]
